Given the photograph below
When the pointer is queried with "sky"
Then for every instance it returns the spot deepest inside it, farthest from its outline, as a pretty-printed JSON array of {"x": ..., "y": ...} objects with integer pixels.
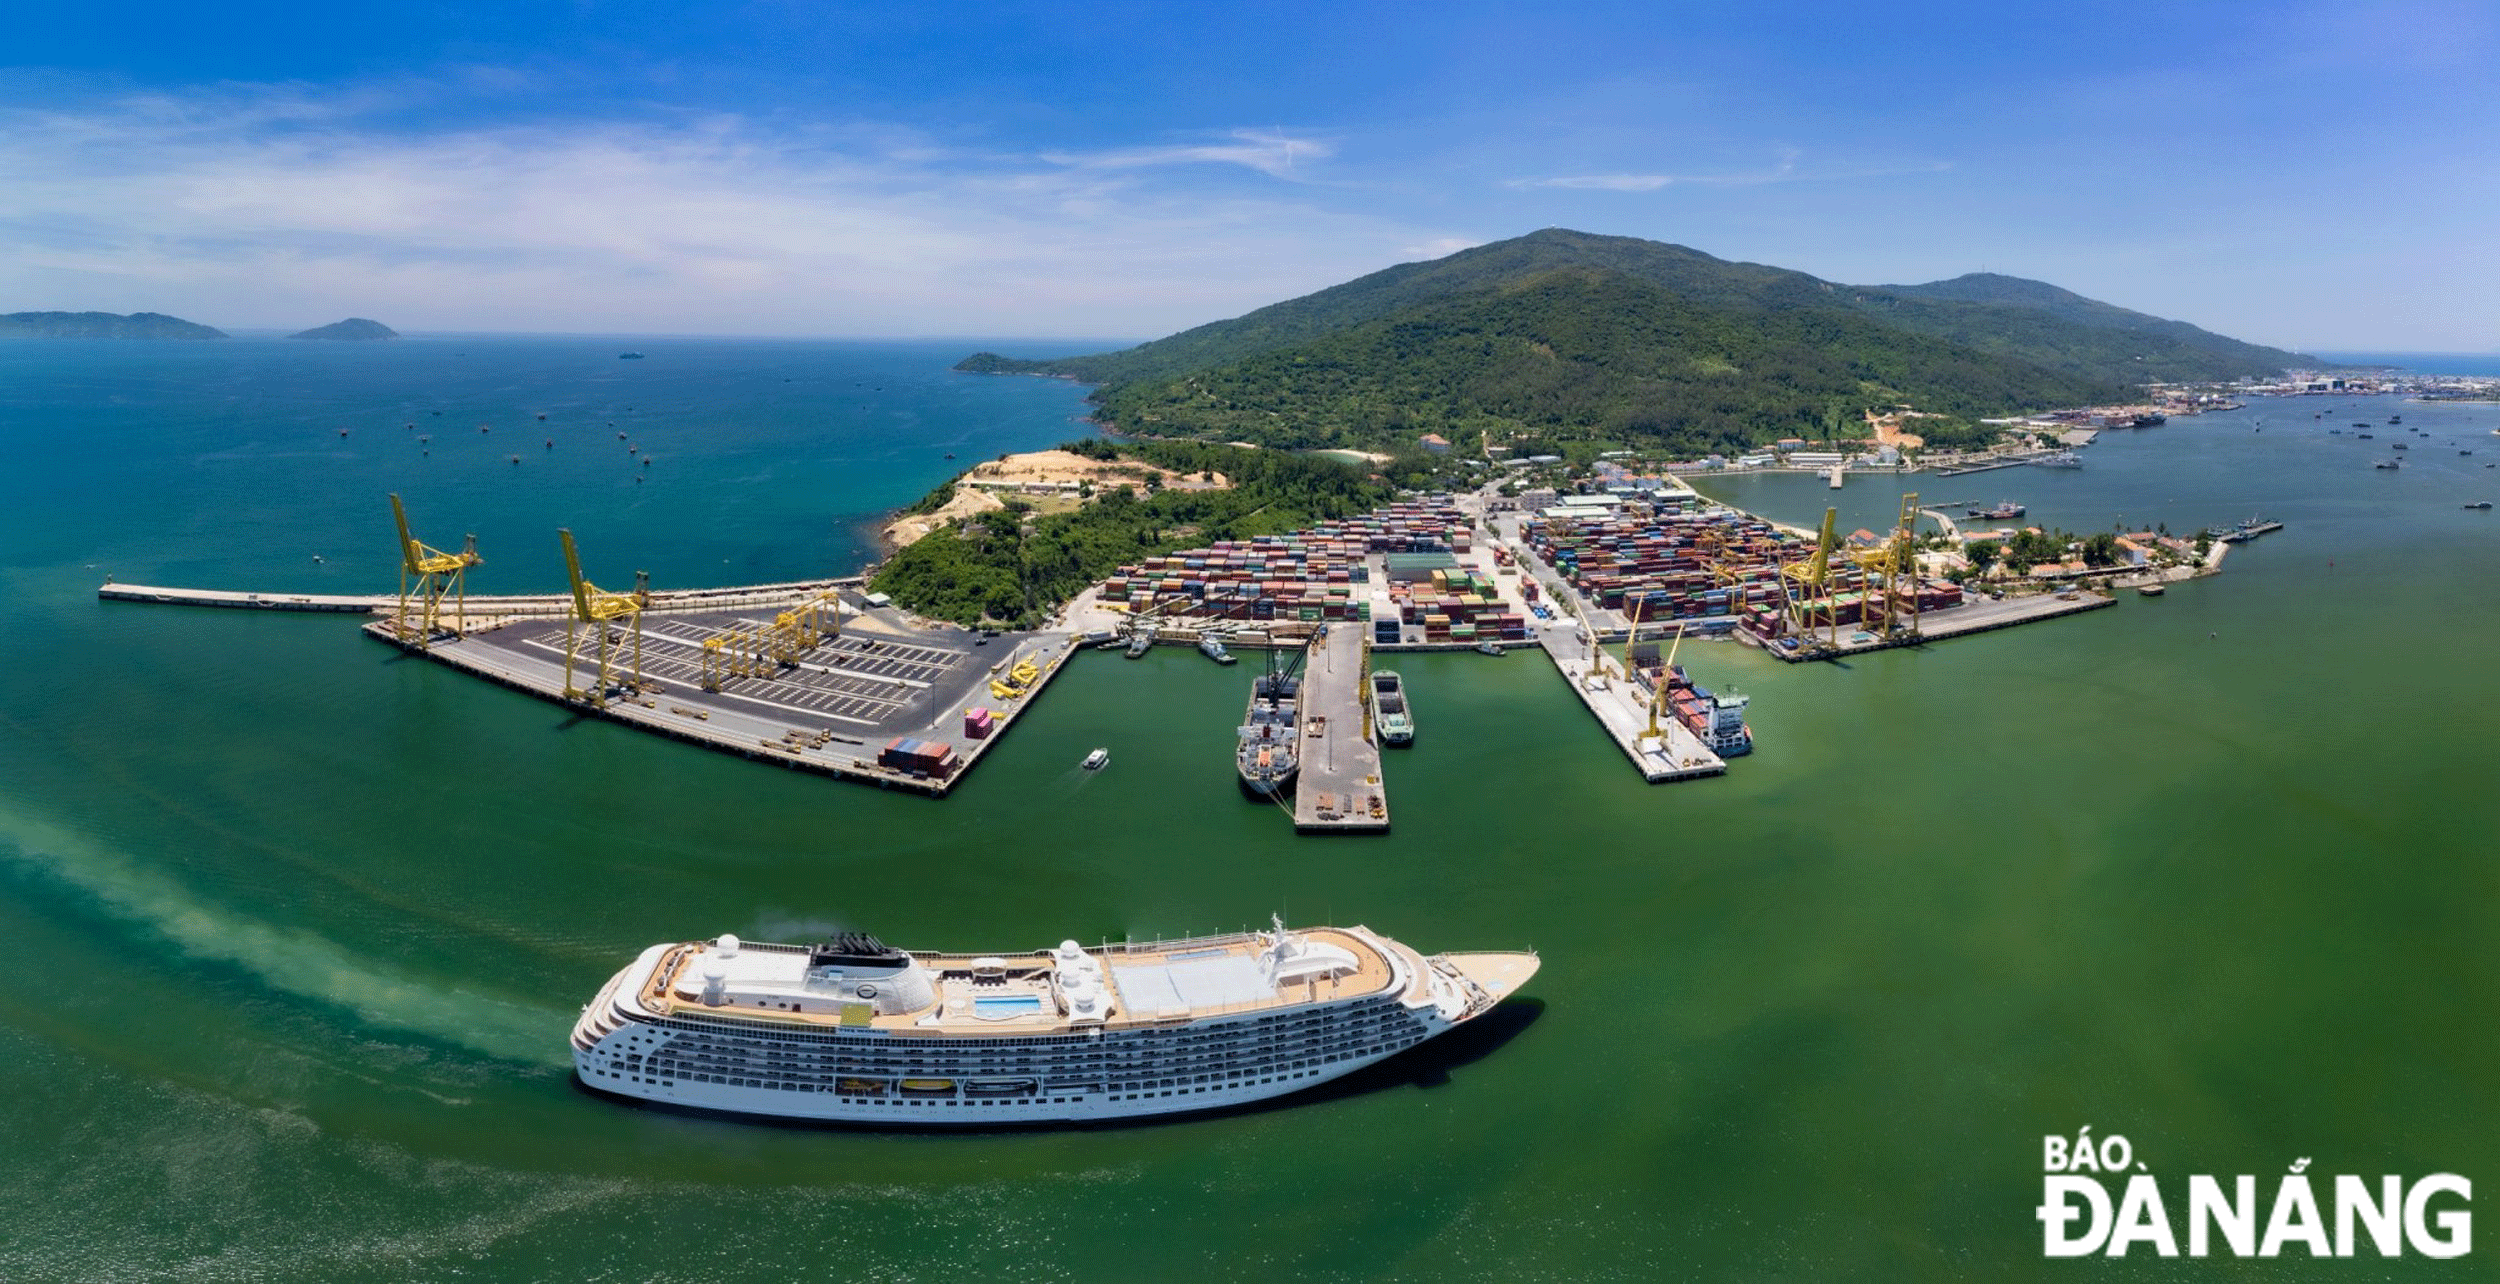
[{"x": 2311, "y": 175}]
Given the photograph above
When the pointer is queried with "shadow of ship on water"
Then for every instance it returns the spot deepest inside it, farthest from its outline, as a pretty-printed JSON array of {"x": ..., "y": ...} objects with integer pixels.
[{"x": 1426, "y": 1066}]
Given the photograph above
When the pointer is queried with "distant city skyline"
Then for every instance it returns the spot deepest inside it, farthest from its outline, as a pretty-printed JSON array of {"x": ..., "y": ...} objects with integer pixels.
[{"x": 2313, "y": 176}]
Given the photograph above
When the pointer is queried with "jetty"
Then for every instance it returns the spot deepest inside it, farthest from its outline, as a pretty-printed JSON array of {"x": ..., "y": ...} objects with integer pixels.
[
  {"x": 893, "y": 707},
  {"x": 1979, "y": 616},
  {"x": 1623, "y": 709},
  {"x": 1340, "y": 790}
]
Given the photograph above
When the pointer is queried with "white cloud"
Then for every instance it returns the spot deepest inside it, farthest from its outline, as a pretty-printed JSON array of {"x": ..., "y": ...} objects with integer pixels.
[
  {"x": 276, "y": 207},
  {"x": 1784, "y": 170},
  {"x": 1273, "y": 154}
]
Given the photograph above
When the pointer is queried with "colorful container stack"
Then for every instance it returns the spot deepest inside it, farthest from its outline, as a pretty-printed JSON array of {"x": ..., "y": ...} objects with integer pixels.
[
  {"x": 1670, "y": 565},
  {"x": 1307, "y": 576},
  {"x": 978, "y": 723},
  {"x": 919, "y": 757}
]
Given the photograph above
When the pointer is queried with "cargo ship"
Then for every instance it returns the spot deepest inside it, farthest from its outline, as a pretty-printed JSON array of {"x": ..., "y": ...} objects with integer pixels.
[
  {"x": 1718, "y": 720},
  {"x": 2002, "y": 511},
  {"x": 1390, "y": 715},
  {"x": 1269, "y": 756},
  {"x": 853, "y": 1030}
]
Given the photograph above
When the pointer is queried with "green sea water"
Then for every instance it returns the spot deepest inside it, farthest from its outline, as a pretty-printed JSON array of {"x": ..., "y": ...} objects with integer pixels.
[{"x": 298, "y": 926}]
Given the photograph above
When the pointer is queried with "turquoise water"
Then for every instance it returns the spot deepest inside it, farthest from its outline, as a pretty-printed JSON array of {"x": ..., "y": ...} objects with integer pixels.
[{"x": 299, "y": 925}]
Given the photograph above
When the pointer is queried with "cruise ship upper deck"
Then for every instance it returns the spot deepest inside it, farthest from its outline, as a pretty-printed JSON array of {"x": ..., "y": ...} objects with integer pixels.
[{"x": 1042, "y": 992}]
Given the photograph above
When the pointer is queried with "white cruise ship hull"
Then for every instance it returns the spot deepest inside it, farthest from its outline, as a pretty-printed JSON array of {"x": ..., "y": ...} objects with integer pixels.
[{"x": 734, "y": 1063}]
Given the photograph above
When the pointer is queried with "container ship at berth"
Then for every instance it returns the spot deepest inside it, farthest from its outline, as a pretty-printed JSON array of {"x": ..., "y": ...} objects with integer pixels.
[
  {"x": 1718, "y": 720},
  {"x": 1269, "y": 756},
  {"x": 853, "y": 1030}
]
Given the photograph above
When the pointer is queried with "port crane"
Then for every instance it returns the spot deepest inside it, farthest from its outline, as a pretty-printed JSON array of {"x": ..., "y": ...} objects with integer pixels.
[
  {"x": 1815, "y": 573},
  {"x": 433, "y": 574},
  {"x": 1894, "y": 565},
  {"x": 760, "y": 649},
  {"x": 599, "y": 609}
]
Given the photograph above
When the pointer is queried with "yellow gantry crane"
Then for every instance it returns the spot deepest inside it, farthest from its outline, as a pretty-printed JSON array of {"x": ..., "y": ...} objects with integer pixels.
[
  {"x": 1895, "y": 564},
  {"x": 433, "y": 574},
  {"x": 1815, "y": 573},
  {"x": 754, "y": 652},
  {"x": 1666, "y": 669},
  {"x": 599, "y": 610},
  {"x": 1904, "y": 562}
]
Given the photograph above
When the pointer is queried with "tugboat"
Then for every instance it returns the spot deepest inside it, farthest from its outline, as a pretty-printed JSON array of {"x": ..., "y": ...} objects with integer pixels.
[
  {"x": 1489, "y": 647},
  {"x": 1212, "y": 647},
  {"x": 1269, "y": 756}
]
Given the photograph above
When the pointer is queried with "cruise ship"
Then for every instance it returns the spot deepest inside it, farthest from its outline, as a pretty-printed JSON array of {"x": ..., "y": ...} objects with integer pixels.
[{"x": 852, "y": 1030}]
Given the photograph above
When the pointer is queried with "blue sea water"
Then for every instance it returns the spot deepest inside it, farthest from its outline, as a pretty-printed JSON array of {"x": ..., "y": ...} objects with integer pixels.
[{"x": 234, "y": 464}]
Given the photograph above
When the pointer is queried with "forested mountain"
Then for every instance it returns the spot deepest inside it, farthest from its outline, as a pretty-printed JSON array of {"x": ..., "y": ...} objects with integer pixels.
[
  {"x": 102, "y": 325},
  {"x": 1572, "y": 335}
]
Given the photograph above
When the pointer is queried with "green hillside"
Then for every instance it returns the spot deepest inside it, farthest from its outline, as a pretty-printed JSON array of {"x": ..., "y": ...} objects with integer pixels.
[
  {"x": 1586, "y": 354},
  {"x": 102, "y": 325},
  {"x": 1713, "y": 352},
  {"x": 2065, "y": 331}
]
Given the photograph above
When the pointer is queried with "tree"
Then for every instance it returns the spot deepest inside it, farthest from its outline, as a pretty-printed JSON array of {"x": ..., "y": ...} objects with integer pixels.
[
  {"x": 2101, "y": 549},
  {"x": 1983, "y": 553}
]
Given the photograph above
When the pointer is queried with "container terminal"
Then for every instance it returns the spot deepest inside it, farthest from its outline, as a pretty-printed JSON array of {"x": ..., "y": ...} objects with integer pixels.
[{"x": 824, "y": 676}]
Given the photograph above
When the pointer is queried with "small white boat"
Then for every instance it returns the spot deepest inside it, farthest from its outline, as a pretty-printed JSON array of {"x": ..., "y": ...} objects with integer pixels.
[
  {"x": 1096, "y": 760},
  {"x": 1489, "y": 647}
]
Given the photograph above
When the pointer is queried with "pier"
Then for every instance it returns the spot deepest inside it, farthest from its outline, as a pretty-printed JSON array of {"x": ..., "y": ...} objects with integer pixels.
[
  {"x": 1951, "y": 622},
  {"x": 1675, "y": 753},
  {"x": 830, "y": 711},
  {"x": 1340, "y": 790}
]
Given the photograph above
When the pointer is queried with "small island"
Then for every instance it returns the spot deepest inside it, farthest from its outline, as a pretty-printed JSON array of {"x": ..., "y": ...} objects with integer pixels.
[
  {"x": 102, "y": 325},
  {"x": 352, "y": 329}
]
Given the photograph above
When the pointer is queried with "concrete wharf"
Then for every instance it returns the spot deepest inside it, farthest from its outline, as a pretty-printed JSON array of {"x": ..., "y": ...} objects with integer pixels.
[
  {"x": 1674, "y": 754},
  {"x": 1340, "y": 790},
  {"x": 1954, "y": 621},
  {"x": 830, "y": 714}
]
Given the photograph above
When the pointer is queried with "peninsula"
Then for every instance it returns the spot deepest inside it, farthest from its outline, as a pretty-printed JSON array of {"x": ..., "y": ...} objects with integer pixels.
[
  {"x": 1558, "y": 338},
  {"x": 102, "y": 325}
]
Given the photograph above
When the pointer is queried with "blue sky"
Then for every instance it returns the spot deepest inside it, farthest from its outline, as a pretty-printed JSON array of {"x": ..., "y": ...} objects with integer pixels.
[{"x": 2314, "y": 175}]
